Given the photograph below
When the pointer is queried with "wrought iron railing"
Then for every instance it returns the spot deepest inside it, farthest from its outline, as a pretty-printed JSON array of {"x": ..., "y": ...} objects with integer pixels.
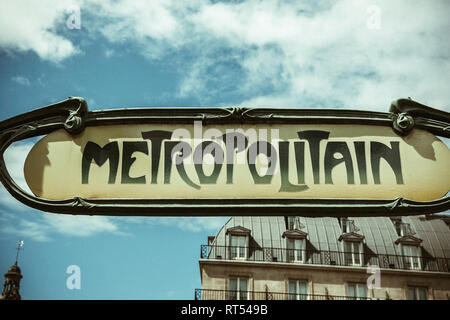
[
  {"x": 213, "y": 294},
  {"x": 325, "y": 257}
]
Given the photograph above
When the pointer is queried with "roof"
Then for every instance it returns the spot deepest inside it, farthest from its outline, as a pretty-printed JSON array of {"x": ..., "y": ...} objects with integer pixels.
[
  {"x": 14, "y": 269},
  {"x": 379, "y": 233}
]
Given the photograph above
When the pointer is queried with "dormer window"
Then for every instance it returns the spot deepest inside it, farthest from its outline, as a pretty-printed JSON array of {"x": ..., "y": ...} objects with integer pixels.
[
  {"x": 411, "y": 257},
  {"x": 352, "y": 247},
  {"x": 295, "y": 245},
  {"x": 296, "y": 250},
  {"x": 238, "y": 247},
  {"x": 353, "y": 253},
  {"x": 411, "y": 251},
  {"x": 239, "y": 242}
]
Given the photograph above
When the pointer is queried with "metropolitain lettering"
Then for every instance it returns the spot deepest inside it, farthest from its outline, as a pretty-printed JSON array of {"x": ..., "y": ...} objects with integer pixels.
[{"x": 323, "y": 156}]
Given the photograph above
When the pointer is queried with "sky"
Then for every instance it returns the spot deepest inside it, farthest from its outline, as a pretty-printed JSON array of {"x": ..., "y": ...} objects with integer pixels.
[{"x": 123, "y": 53}]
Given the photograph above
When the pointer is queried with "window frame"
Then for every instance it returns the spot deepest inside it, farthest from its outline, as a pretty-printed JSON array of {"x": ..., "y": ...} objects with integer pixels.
[
  {"x": 239, "y": 249},
  {"x": 357, "y": 286},
  {"x": 297, "y": 295},
  {"x": 237, "y": 232},
  {"x": 417, "y": 294},
  {"x": 238, "y": 290},
  {"x": 295, "y": 251},
  {"x": 352, "y": 252},
  {"x": 408, "y": 259}
]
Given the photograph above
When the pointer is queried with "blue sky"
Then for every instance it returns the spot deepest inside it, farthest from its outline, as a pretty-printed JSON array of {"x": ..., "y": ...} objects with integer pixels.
[{"x": 333, "y": 54}]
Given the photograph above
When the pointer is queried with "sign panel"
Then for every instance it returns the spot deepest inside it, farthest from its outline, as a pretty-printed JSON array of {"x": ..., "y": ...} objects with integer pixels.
[
  {"x": 248, "y": 161},
  {"x": 239, "y": 161}
]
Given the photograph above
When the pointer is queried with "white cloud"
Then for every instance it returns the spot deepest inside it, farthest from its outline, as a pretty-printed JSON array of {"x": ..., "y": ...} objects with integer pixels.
[
  {"x": 330, "y": 56},
  {"x": 44, "y": 226},
  {"x": 21, "y": 80},
  {"x": 193, "y": 224},
  {"x": 136, "y": 20},
  {"x": 15, "y": 157},
  {"x": 27, "y": 229},
  {"x": 31, "y": 25},
  {"x": 269, "y": 53},
  {"x": 38, "y": 226},
  {"x": 79, "y": 226},
  {"x": 22, "y": 227}
]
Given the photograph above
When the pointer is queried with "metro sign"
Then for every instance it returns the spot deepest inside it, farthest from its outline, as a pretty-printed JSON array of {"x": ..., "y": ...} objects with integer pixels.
[
  {"x": 149, "y": 161},
  {"x": 205, "y": 161}
]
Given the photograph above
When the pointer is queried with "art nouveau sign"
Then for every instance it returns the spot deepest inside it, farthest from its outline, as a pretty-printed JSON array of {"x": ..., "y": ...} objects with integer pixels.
[
  {"x": 279, "y": 161},
  {"x": 233, "y": 161}
]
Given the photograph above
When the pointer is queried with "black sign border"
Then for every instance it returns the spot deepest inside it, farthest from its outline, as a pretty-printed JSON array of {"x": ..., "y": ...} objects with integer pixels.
[{"x": 73, "y": 115}]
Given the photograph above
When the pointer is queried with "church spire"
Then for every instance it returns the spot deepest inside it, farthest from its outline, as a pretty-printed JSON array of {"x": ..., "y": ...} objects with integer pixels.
[
  {"x": 19, "y": 247},
  {"x": 12, "y": 279}
]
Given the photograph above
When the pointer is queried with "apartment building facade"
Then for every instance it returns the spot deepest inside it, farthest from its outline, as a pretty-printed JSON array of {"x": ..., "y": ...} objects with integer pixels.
[{"x": 302, "y": 258}]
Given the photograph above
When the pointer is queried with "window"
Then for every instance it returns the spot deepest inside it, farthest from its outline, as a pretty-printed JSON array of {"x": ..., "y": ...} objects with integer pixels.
[
  {"x": 297, "y": 290},
  {"x": 357, "y": 291},
  {"x": 411, "y": 257},
  {"x": 238, "y": 247},
  {"x": 353, "y": 253},
  {"x": 417, "y": 293},
  {"x": 238, "y": 242},
  {"x": 238, "y": 289},
  {"x": 295, "y": 248}
]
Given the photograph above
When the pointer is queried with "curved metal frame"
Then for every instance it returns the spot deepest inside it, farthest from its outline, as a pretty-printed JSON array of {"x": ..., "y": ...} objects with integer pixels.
[{"x": 73, "y": 115}]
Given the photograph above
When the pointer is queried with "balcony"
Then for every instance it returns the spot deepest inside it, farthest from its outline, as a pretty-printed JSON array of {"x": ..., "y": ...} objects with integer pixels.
[
  {"x": 332, "y": 258},
  {"x": 211, "y": 294}
]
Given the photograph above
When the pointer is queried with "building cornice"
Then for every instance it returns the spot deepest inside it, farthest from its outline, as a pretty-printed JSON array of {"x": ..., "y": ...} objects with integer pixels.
[{"x": 318, "y": 267}]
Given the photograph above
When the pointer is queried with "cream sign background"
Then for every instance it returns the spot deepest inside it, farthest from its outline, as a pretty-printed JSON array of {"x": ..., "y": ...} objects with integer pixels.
[{"x": 309, "y": 162}]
